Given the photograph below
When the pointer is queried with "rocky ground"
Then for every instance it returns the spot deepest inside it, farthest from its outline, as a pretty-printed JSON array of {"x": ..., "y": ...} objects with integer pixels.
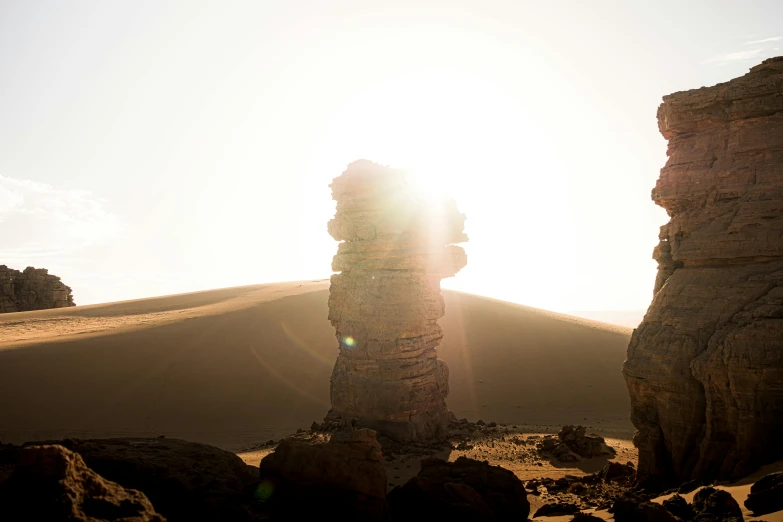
[{"x": 552, "y": 472}]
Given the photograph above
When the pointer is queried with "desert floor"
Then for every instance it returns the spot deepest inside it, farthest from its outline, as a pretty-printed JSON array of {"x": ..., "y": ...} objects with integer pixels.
[{"x": 241, "y": 365}]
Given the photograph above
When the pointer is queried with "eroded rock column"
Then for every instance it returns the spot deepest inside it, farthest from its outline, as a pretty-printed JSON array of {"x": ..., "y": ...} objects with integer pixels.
[
  {"x": 705, "y": 367},
  {"x": 397, "y": 243}
]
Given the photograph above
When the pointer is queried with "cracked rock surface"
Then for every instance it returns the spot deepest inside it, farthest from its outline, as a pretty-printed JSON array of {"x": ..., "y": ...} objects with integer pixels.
[{"x": 705, "y": 367}]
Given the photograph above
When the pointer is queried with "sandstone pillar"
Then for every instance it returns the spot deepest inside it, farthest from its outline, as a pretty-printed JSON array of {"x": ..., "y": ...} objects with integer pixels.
[{"x": 397, "y": 243}]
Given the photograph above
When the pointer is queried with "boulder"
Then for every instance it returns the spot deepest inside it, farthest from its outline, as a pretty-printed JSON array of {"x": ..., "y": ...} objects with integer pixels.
[
  {"x": 343, "y": 479},
  {"x": 678, "y": 507},
  {"x": 634, "y": 508},
  {"x": 766, "y": 495},
  {"x": 704, "y": 367},
  {"x": 53, "y": 484},
  {"x": 556, "y": 509},
  {"x": 709, "y": 503},
  {"x": 185, "y": 481},
  {"x": 397, "y": 243},
  {"x": 463, "y": 490}
]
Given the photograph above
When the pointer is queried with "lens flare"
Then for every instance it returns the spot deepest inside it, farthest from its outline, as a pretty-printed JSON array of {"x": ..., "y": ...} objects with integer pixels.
[{"x": 348, "y": 341}]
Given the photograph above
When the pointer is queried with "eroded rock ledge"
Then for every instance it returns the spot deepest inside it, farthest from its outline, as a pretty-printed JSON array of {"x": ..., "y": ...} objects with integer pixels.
[
  {"x": 397, "y": 244},
  {"x": 33, "y": 289},
  {"x": 705, "y": 367}
]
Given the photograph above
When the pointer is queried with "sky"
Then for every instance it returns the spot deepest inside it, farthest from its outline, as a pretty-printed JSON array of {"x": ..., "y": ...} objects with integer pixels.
[{"x": 158, "y": 147}]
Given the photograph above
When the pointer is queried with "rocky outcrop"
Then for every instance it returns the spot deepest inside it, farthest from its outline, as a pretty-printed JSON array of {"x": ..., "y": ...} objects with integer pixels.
[
  {"x": 33, "y": 289},
  {"x": 766, "y": 495},
  {"x": 705, "y": 367},
  {"x": 397, "y": 243},
  {"x": 52, "y": 483},
  {"x": 462, "y": 490},
  {"x": 342, "y": 480},
  {"x": 185, "y": 481}
]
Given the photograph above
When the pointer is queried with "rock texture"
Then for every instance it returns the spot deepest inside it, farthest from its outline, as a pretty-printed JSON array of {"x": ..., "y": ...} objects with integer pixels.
[
  {"x": 463, "y": 490},
  {"x": 342, "y": 480},
  {"x": 705, "y": 367},
  {"x": 397, "y": 243},
  {"x": 52, "y": 483},
  {"x": 185, "y": 481},
  {"x": 33, "y": 289}
]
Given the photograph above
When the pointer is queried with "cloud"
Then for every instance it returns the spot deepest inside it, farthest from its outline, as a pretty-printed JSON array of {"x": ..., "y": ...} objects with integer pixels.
[
  {"x": 734, "y": 57},
  {"x": 40, "y": 221},
  {"x": 765, "y": 40}
]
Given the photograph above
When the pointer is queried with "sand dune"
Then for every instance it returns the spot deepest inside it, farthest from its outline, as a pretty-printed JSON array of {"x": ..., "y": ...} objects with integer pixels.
[{"x": 237, "y": 366}]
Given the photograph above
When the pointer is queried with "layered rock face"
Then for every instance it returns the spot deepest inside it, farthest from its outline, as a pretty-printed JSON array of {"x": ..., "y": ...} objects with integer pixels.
[
  {"x": 397, "y": 244},
  {"x": 705, "y": 367},
  {"x": 33, "y": 289}
]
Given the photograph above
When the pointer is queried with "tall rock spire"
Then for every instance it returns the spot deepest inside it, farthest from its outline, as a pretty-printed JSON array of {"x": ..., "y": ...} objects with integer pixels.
[{"x": 397, "y": 243}]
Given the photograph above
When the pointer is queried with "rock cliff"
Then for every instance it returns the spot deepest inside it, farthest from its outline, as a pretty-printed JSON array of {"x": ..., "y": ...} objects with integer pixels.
[
  {"x": 705, "y": 367},
  {"x": 397, "y": 244},
  {"x": 33, "y": 289}
]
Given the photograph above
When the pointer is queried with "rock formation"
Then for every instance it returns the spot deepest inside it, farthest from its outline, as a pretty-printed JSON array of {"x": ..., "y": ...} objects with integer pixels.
[
  {"x": 53, "y": 483},
  {"x": 705, "y": 367},
  {"x": 397, "y": 244},
  {"x": 341, "y": 480},
  {"x": 33, "y": 289},
  {"x": 185, "y": 481},
  {"x": 462, "y": 490}
]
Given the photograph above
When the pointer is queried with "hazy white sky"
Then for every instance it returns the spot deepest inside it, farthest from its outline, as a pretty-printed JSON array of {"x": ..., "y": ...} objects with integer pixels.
[{"x": 152, "y": 147}]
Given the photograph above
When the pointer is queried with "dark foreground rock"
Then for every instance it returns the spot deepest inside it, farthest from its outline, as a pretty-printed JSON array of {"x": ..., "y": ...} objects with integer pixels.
[
  {"x": 342, "y": 480},
  {"x": 679, "y": 507},
  {"x": 557, "y": 509},
  {"x": 53, "y": 484},
  {"x": 715, "y": 504},
  {"x": 463, "y": 490},
  {"x": 185, "y": 481},
  {"x": 766, "y": 495}
]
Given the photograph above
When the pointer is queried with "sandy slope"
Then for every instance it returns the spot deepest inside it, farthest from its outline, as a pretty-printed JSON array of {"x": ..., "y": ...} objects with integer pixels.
[{"x": 236, "y": 366}]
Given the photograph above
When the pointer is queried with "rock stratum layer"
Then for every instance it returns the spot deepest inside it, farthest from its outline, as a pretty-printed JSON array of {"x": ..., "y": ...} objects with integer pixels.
[
  {"x": 705, "y": 367},
  {"x": 33, "y": 289},
  {"x": 397, "y": 243}
]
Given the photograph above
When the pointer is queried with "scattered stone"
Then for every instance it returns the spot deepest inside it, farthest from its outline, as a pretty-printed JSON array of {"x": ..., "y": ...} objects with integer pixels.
[
  {"x": 52, "y": 483},
  {"x": 396, "y": 246},
  {"x": 617, "y": 471},
  {"x": 766, "y": 495}
]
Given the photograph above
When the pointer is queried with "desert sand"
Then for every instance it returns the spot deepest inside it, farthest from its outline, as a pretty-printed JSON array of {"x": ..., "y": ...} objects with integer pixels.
[{"x": 237, "y": 366}]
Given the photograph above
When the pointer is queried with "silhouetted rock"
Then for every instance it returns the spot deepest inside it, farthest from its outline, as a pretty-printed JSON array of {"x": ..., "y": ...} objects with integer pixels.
[
  {"x": 33, "y": 289},
  {"x": 463, "y": 490},
  {"x": 397, "y": 244},
  {"x": 678, "y": 507},
  {"x": 766, "y": 495},
  {"x": 341, "y": 480},
  {"x": 704, "y": 367},
  {"x": 715, "y": 504},
  {"x": 185, "y": 481},
  {"x": 556, "y": 509},
  {"x": 617, "y": 471},
  {"x": 634, "y": 508},
  {"x": 53, "y": 484},
  {"x": 586, "y": 517}
]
